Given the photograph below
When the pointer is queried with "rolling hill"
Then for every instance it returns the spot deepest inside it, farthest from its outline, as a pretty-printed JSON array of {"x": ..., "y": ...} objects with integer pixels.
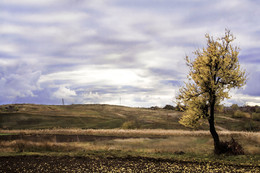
[{"x": 100, "y": 116}]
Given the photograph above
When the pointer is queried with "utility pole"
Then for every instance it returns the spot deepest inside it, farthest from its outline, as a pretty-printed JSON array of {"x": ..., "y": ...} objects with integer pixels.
[{"x": 62, "y": 101}]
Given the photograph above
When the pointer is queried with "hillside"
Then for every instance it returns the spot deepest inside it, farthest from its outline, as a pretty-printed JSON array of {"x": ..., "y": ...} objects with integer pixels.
[{"x": 98, "y": 116}]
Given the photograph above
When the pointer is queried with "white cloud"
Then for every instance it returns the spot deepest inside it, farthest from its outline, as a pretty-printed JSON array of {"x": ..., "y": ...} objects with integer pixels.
[
  {"x": 54, "y": 17},
  {"x": 8, "y": 48},
  {"x": 89, "y": 75},
  {"x": 11, "y": 29},
  {"x": 64, "y": 92},
  {"x": 243, "y": 99},
  {"x": 28, "y": 2}
]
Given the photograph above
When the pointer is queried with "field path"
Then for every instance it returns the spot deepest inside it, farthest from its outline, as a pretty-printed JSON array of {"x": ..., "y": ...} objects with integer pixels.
[
  {"x": 228, "y": 118},
  {"x": 97, "y": 164},
  {"x": 121, "y": 115},
  {"x": 221, "y": 128}
]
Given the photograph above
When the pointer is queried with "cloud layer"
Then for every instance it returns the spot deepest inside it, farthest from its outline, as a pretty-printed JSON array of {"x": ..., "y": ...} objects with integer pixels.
[{"x": 104, "y": 51}]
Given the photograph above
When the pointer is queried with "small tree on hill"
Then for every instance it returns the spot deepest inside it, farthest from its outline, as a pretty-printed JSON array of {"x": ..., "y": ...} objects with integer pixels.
[
  {"x": 213, "y": 72},
  {"x": 234, "y": 107}
]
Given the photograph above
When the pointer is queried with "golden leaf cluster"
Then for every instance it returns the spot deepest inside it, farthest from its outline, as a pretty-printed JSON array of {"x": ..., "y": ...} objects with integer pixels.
[{"x": 213, "y": 72}]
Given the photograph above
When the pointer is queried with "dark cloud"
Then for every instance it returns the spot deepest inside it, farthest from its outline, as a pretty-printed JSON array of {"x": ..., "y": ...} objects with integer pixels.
[
  {"x": 172, "y": 82},
  {"x": 43, "y": 96},
  {"x": 165, "y": 73},
  {"x": 18, "y": 81},
  {"x": 250, "y": 56},
  {"x": 253, "y": 84}
]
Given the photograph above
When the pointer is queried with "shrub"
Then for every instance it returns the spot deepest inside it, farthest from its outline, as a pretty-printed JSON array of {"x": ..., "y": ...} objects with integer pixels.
[
  {"x": 256, "y": 116},
  {"x": 10, "y": 108},
  {"x": 231, "y": 147},
  {"x": 169, "y": 107},
  {"x": 250, "y": 126},
  {"x": 154, "y": 108},
  {"x": 129, "y": 125},
  {"x": 257, "y": 109},
  {"x": 234, "y": 107},
  {"x": 239, "y": 114}
]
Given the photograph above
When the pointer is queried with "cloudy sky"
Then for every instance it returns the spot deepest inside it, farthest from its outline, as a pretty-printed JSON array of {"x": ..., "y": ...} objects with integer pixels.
[{"x": 128, "y": 52}]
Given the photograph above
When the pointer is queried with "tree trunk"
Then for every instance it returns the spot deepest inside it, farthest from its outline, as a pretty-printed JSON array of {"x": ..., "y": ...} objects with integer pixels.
[
  {"x": 212, "y": 128},
  {"x": 214, "y": 134}
]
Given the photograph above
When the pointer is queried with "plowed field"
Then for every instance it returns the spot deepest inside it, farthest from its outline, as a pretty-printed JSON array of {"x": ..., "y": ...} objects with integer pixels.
[{"x": 97, "y": 164}]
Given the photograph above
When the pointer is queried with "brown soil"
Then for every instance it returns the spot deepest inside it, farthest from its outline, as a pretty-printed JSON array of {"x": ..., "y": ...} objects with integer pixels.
[{"x": 96, "y": 164}]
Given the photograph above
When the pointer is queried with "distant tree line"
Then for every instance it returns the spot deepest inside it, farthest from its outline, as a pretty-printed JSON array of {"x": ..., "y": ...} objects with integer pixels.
[{"x": 220, "y": 108}]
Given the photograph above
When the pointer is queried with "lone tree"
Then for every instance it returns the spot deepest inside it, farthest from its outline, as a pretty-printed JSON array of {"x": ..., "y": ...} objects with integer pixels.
[{"x": 213, "y": 72}]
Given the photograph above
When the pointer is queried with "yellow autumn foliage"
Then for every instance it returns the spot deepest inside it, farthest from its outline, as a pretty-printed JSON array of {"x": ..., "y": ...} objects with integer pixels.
[{"x": 213, "y": 72}]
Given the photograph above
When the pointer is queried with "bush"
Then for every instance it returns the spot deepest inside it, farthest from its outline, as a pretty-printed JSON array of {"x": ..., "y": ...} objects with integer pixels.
[
  {"x": 239, "y": 114},
  {"x": 10, "y": 108},
  {"x": 154, "y": 108},
  {"x": 231, "y": 147},
  {"x": 250, "y": 126},
  {"x": 234, "y": 107},
  {"x": 257, "y": 109},
  {"x": 169, "y": 107},
  {"x": 256, "y": 116},
  {"x": 129, "y": 125}
]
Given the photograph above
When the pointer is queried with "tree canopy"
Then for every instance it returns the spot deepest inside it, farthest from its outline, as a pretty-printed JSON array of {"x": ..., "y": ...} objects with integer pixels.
[{"x": 213, "y": 72}]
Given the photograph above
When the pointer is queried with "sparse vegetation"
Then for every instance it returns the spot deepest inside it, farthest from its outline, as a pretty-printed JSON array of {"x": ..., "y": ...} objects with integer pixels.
[
  {"x": 239, "y": 114},
  {"x": 256, "y": 116}
]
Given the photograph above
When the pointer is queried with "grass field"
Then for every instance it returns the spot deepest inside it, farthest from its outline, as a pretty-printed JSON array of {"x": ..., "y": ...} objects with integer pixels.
[
  {"x": 85, "y": 116},
  {"x": 103, "y": 138},
  {"x": 29, "y": 116},
  {"x": 152, "y": 142},
  {"x": 124, "y": 151}
]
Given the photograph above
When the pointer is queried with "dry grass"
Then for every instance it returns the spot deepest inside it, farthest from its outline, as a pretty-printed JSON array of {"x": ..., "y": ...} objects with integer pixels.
[
  {"x": 148, "y": 140},
  {"x": 168, "y": 145},
  {"x": 134, "y": 132}
]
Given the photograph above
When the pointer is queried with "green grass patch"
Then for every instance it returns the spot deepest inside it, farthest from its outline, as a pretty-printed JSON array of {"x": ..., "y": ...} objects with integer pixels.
[{"x": 256, "y": 116}]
